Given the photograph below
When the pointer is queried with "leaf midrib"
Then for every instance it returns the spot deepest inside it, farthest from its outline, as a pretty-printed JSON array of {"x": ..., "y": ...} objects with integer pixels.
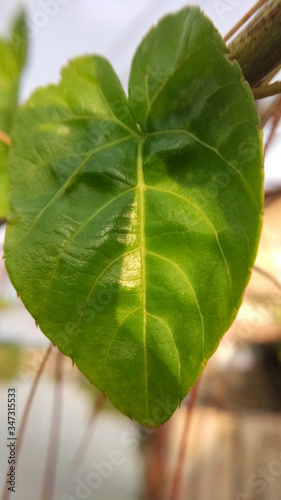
[{"x": 141, "y": 188}]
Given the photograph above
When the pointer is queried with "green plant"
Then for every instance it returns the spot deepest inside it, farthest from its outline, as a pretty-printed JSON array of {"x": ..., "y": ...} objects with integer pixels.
[
  {"x": 12, "y": 60},
  {"x": 134, "y": 222}
]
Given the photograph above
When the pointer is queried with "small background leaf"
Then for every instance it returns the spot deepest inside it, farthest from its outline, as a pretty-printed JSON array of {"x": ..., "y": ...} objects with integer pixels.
[
  {"x": 19, "y": 39},
  {"x": 12, "y": 60},
  {"x": 134, "y": 224}
]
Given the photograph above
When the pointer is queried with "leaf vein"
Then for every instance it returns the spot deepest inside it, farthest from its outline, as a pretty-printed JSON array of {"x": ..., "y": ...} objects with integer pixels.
[
  {"x": 172, "y": 336},
  {"x": 113, "y": 338},
  {"x": 178, "y": 268},
  {"x": 166, "y": 80},
  {"x": 74, "y": 236},
  {"x": 214, "y": 150},
  {"x": 64, "y": 187},
  {"x": 120, "y": 257},
  {"x": 208, "y": 222}
]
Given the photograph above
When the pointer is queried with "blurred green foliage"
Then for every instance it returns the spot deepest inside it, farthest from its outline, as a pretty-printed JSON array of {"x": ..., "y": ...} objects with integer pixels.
[
  {"x": 10, "y": 356},
  {"x": 13, "y": 52}
]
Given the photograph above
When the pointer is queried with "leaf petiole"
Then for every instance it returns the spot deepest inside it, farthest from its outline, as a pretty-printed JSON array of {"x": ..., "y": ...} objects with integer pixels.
[{"x": 267, "y": 90}]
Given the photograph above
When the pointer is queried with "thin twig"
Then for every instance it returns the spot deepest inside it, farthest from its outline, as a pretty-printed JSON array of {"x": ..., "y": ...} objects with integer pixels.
[
  {"x": 178, "y": 477},
  {"x": 273, "y": 125},
  {"x": 31, "y": 397},
  {"x": 86, "y": 439},
  {"x": 272, "y": 195},
  {"x": 49, "y": 482},
  {"x": 267, "y": 275},
  {"x": 155, "y": 463},
  {"x": 5, "y": 138},
  {"x": 26, "y": 412},
  {"x": 271, "y": 111},
  {"x": 244, "y": 19},
  {"x": 267, "y": 90}
]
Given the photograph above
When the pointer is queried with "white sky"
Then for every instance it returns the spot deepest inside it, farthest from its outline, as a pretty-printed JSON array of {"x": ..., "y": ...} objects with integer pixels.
[{"x": 62, "y": 29}]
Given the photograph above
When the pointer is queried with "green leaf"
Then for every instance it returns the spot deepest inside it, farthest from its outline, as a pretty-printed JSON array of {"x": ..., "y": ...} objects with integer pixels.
[
  {"x": 134, "y": 223},
  {"x": 12, "y": 60},
  {"x": 19, "y": 39}
]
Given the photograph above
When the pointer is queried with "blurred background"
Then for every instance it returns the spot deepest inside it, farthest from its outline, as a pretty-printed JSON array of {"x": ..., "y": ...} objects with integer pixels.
[{"x": 75, "y": 445}]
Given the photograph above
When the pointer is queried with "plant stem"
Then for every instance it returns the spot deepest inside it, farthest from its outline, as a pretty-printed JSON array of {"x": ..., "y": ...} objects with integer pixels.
[
  {"x": 31, "y": 397},
  {"x": 257, "y": 47},
  {"x": 52, "y": 456},
  {"x": 26, "y": 412},
  {"x": 155, "y": 463},
  {"x": 267, "y": 90},
  {"x": 275, "y": 119},
  {"x": 274, "y": 110},
  {"x": 267, "y": 275},
  {"x": 178, "y": 477},
  {"x": 86, "y": 439},
  {"x": 244, "y": 19}
]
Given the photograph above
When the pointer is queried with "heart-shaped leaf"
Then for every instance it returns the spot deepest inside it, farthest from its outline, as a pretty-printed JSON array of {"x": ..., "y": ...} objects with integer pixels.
[{"x": 134, "y": 222}]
